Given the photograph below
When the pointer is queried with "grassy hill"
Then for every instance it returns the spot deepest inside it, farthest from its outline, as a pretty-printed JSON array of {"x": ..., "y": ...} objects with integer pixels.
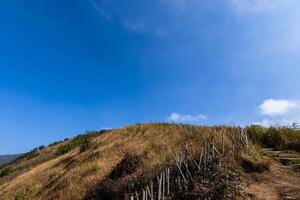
[{"x": 97, "y": 163}]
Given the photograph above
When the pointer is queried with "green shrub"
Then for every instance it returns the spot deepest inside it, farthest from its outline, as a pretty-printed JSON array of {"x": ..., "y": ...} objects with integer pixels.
[
  {"x": 267, "y": 137},
  {"x": 54, "y": 143},
  {"x": 5, "y": 172},
  {"x": 257, "y": 134},
  {"x": 83, "y": 141},
  {"x": 278, "y": 138},
  {"x": 42, "y": 147},
  {"x": 274, "y": 138},
  {"x": 86, "y": 144}
]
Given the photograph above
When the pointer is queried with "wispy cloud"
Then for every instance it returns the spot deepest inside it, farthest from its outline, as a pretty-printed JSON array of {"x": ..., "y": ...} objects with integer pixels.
[
  {"x": 261, "y": 5},
  {"x": 275, "y": 122},
  {"x": 100, "y": 10},
  {"x": 134, "y": 25},
  {"x": 178, "y": 4},
  {"x": 181, "y": 118}
]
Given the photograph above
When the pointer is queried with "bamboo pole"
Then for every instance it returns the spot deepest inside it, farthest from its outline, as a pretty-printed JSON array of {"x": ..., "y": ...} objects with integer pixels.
[
  {"x": 192, "y": 158},
  {"x": 150, "y": 195},
  {"x": 159, "y": 187},
  {"x": 223, "y": 148},
  {"x": 213, "y": 147},
  {"x": 200, "y": 159},
  {"x": 137, "y": 195},
  {"x": 151, "y": 185},
  {"x": 178, "y": 167},
  {"x": 163, "y": 185},
  {"x": 168, "y": 181},
  {"x": 205, "y": 155},
  {"x": 187, "y": 168},
  {"x": 143, "y": 195},
  {"x": 146, "y": 194}
]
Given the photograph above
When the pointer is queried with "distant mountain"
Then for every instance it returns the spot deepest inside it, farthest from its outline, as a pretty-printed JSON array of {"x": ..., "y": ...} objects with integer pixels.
[{"x": 7, "y": 158}]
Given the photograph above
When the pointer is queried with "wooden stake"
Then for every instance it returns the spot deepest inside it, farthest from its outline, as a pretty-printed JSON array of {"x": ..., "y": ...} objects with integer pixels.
[
  {"x": 163, "y": 185},
  {"x": 205, "y": 155},
  {"x": 152, "y": 194},
  {"x": 213, "y": 148},
  {"x": 223, "y": 148},
  {"x": 143, "y": 195},
  {"x": 192, "y": 158},
  {"x": 137, "y": 195},
  {"x": 200, "y": 160},
  {"x": 146, "y": 194},
  {"x": 168, "y": 181},
  {"x": 187, "y": 168},
  {"x": 178, "y": 167},
  {"x": 159, "y": 187}
]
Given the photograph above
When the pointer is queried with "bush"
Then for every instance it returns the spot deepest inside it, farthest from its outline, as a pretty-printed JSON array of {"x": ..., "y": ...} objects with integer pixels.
[
  {"x": 257, "y": 134},
  {"x": 83, "y": 141},
  {"x": 274, "y": 138},
  {"x": 5, "y": 172},
  {"x": 278, "y": 138},
  {"x": 86, "y": 144},
  {"x": 54, "y": 143},
  {"x": 42, "y": 147}
]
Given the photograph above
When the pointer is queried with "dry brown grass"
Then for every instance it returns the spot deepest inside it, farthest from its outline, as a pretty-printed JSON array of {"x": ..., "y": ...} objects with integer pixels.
[{"x": 70, "y": 176}]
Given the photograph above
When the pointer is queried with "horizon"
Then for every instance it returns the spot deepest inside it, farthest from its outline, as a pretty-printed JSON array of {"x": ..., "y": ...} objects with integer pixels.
[{"x": 66, "y": 68}]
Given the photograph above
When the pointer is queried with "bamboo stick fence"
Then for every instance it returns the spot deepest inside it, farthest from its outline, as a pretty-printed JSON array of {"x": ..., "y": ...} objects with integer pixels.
[{"x": 188, "y": 166}]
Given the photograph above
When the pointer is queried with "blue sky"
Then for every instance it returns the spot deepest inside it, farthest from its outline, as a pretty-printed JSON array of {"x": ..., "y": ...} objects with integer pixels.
[{"x": 71, "y": 66}]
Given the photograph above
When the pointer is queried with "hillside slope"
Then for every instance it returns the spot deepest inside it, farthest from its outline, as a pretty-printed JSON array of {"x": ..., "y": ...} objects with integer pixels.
[{"x": 73, "y": 169}]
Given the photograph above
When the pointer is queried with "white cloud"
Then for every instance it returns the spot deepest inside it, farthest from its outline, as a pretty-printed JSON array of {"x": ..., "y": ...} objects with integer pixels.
[
  {"x": 279, "y": 112},
  {"x": 180, "y": 118},
  {"x": 262, "y": 5},
  {"x": 272, "y": 107}
]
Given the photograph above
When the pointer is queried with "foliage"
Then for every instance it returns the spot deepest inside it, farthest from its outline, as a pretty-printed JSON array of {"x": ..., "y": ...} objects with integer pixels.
[
  {"x": 257, "y": 134},
  {"x": 83, "y": 141},
  {"x": 5, "y": 172},
  {"x": 54, "y": 143},
  {"x": 42, "y": 147},
  {"x": 85, "y": 144},
  {"x": 274, "y": 137}
]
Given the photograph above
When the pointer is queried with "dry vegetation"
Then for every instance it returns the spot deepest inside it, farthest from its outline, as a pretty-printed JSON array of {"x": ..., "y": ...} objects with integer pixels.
[{"x": 72, "y": 169}]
